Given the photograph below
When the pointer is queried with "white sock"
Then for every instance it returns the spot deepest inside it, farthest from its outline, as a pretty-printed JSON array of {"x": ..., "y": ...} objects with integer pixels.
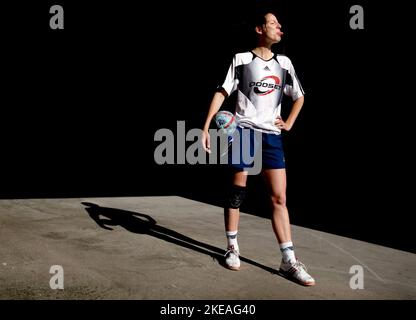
[
  {"x": 288, "y": 253},
  {"x": 232, "y": 239}
]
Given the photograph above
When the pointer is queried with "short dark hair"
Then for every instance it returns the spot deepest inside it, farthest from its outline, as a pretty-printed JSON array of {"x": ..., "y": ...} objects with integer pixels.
[{"x": 259, "y": 17}]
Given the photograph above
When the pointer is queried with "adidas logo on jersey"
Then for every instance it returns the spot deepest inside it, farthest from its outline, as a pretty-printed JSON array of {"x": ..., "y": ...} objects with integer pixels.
[{"x": 266, "y": 68}]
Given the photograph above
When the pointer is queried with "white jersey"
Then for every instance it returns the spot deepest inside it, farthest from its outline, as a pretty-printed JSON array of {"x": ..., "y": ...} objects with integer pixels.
[{"x": 261, "y": 84}]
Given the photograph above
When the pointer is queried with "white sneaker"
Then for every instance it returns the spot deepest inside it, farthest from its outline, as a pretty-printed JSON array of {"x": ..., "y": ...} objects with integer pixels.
[
  {"x": 232, "y": 259},
  {"x": 296, "y": 272}
]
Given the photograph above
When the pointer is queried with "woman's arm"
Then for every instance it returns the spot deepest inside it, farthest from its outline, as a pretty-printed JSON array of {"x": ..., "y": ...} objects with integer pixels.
[
  {"x": 288, "y": 124},
  {"x": 215, "y": 105}
]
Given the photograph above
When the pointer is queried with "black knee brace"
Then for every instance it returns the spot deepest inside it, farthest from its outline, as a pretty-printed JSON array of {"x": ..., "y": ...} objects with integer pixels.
[{"x": 236, "y": 196}]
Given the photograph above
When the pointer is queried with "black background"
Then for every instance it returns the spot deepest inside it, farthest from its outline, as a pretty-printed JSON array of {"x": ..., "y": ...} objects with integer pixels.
[{"x": 80, "y": 106}]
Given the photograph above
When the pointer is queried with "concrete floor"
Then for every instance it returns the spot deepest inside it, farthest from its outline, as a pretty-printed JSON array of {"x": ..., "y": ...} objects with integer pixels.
[{"x": 179, "y": 257}]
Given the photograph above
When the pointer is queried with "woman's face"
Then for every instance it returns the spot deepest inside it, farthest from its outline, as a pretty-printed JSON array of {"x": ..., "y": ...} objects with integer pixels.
[{"x": 271, "y": 28}]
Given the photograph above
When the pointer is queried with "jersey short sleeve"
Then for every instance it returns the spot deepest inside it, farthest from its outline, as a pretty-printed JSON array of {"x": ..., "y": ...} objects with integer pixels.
[
  {"x": 230, "y": 83},
  {"x": 293, "y": 88}
]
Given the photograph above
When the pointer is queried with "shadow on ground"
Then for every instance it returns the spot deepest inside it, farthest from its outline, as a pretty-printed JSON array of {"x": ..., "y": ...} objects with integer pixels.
[
  {"x": 340, "y": 205},
  {"x": 140, "y": 223}
]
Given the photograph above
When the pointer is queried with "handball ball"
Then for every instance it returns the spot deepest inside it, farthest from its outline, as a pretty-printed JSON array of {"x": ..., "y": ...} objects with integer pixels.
[{"x": 225, "y": 122}]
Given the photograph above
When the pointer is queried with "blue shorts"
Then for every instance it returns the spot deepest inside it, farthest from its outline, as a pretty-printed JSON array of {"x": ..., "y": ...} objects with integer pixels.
[{"x": 249, "y": 145}]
